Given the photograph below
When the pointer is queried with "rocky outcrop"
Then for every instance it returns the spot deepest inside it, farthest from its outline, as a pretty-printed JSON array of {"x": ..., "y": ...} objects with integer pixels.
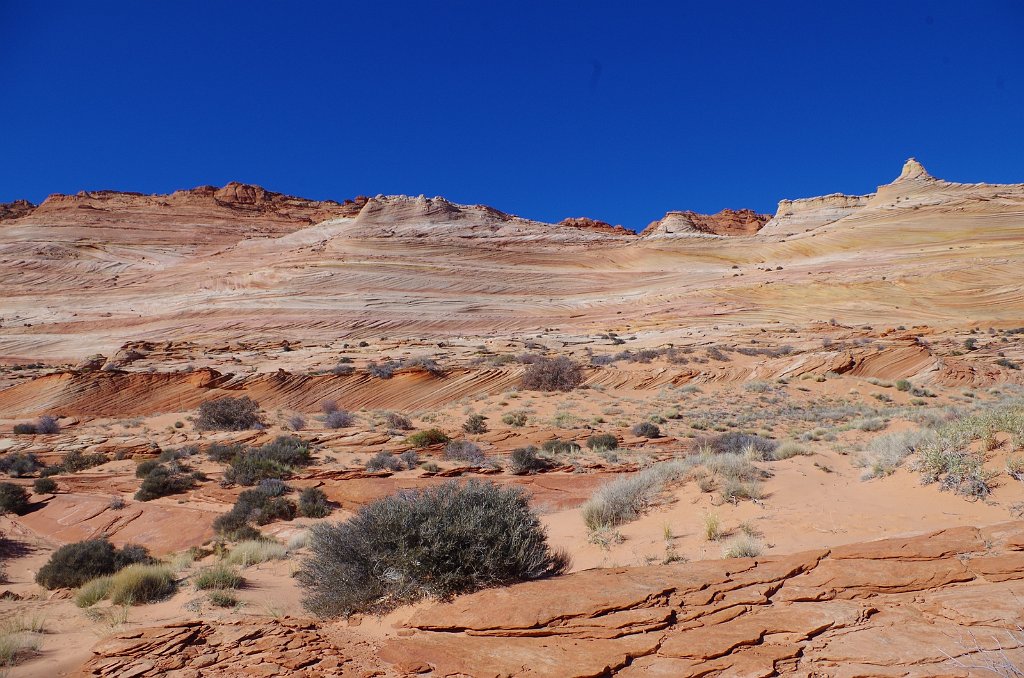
[
  {"x": 15, "y": 210},
  {"x": 594, "y": 225},
  {"x": 945, "y": 603},
  {"x": 190, "y": 649},
  {"x": 727, "y": 222},
  {"x": 807, "y": 214},
  {"x": 892, "y": 607}
]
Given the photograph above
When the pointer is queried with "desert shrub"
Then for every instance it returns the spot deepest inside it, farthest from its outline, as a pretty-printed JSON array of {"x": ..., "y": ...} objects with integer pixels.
[
  {"x": 339, "y": 419},
  {"x": 256, "y": 551},
  {"x": 144, "y": 467},
  {"x": 646, "y": 429},
  {"x": 47, "y": 424},
  {"x": 733, "y": 490},
  {"x": 626, "y": 498},
  {"x": 410, "y": 459},
  {"x": 757, "y": 386},
  {"x": 276, "y": 459},
  {"x": 253, "y": 506},
  {"x": 524, "y": 460},
  {"x": 19, "y": 464},
  {"x": 273, "y": 487},
  {"x": 903, "y": 385},
  {"x": 428, "y": 364},
  {"x": 24, "y": 429},
  {"x": 1007, "y": 363},
  {"x": 93, "y": 591},
  {"x": 296, "y": 422},
  {"x": 162, "y": 481},
  {"x": 329, "y": 406},
  {"x": 739, "y": 443},
  {"x": 431, "y": 436},
  {"x": 788, "y": 449},
  {"x": 553, "y": 374},
  {"x": 397, "y": 422},
  {"x": 437, "y": 543},
  {"x": 868, "y": 423},
  {"x": 712, "y": 527},
  {"x": 516, "y": 419},
  {"x": 602, "y": 441},
  {"x": 475, "y": 423},
  {"x": 313, "y": 503},
  {"x": 177, "y": 453},
  {"x": 228, "y": 414},
  {"x": 887, "y": 452},
  {"x": 558, "y": 446},
  {"x": 218, "y": 576},
  {"x": 464, "y": 450},
  {"x": 223, "y": 452},
  {"x": 343, "y": 370},
  {"x": 139, "y": 584},
  {"x": 74, "y": 461},
  {"x": 384, "y": 370},
  {"x": 222, "y": 598},
  {"x": 72, "y": 565},
  {"x": 44, "y": 486},
  {"x": 743, "y": 546},
  {"x": 13, "y": 499},
  {"x": 383, "y": 461}
]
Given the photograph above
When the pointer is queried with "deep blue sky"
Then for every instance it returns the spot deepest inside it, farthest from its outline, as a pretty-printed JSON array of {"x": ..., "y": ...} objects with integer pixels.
[{"x": 618, "y": 111}]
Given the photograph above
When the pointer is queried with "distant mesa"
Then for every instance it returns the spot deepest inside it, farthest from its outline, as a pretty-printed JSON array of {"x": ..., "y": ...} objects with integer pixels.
[{"x": 589, "y": 224}]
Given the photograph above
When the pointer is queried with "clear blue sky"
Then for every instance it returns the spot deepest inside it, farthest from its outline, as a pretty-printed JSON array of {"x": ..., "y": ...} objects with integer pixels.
[{"x": 618, "y": 111}]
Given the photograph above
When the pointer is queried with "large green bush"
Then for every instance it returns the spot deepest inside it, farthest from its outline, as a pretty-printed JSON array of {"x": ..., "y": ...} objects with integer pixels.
[
  {"x": 229, "y": 414},
  {"x": 13, "y": 499},
  {"x": 72, "y": 565},
  {"x": 276, "y": 459},
  {"x": 451, "y": 539}
]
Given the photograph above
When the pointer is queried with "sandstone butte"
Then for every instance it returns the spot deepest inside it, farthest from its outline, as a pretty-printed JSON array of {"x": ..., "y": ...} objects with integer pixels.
[{"x": 839, "y": 326}]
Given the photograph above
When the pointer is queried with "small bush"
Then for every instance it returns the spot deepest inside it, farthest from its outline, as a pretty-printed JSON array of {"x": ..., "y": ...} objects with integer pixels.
[
  {"x": 788, "y": 449},
  {"x": 383, "y": 461},
  {"x": 44, "y": 486},
  {"x": 223, "y": 453},
  {"x": 558, "y": 446},
  {"x": 646, "y": 430},
  {"x": 253, "y": 506},
  {"x": 218, "y": 576},
  {"x": 339, "y": 419},
  {"x": 397, "y": 422},
  {"x": 74, "y": 461},
  {"x": 743, "y": 546},
  {"x": 410, "y": 459},
  {"x": 383, "y": 370},
  {"x": 431, "y": 436},
  {"x": 476, "y": 424},
  {"x": 903, "y": 385},
  {"x": 139, "y": 584},
  {"x": 275, "y": 459},
  {"x": 222, "y": 598},
  {"x": 19, "y": 464},
  {"x": 296, "y": 422},
  {"x": 524, "y": 460},
  {"x": 739, "y": 443},
  {"x": 626, "y": 498},
  {"x": 72, "y": 565},
  {"x": 47, "y": 424},
  {"x": 13, "y": 499},
  {"x": 869, "y": 423},
  {"x": 313, "y": 503},
  {"x": 439, "y": 542},
  {"x": 228, "y": 414},
  {"x": 93, "y": 591},
  {"x": 516, "y": 419},
  {"x": 553, "y": 374},
  {"x": 464, "y": 450},
  {"x": 162, "y": 481},
  {"x": 712, "y": 528},
  {"x": 24, "y": 429},
  {"x": 254, "y": 552},
  {"x": 602, "y": 441},
  {"x": 144, "y": 467}
]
